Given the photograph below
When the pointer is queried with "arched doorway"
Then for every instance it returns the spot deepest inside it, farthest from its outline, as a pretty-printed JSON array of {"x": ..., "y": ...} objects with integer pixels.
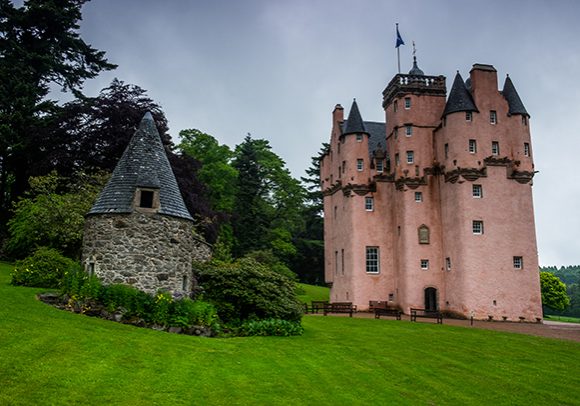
[{"x": 431, "y": 299}]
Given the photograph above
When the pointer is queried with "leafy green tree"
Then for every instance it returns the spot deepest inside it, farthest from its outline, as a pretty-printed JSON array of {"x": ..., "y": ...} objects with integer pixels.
[
  {"x": 40, "y": 45},
  {"x": 52, "y": 214},
  {"x": 553, "y": 292}
]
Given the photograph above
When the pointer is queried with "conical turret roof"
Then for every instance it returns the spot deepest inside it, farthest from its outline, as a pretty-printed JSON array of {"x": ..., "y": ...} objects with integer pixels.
[
  {"x": 144, "y": 164},
  {"x": 513, "y": 98},
  {"x": 354, "y": 122},
  {"x": 459, "y": 97}
]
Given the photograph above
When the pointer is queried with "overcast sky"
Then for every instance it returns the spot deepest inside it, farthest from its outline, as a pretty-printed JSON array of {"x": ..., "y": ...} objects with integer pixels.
[{"x": 276, "y": 69}]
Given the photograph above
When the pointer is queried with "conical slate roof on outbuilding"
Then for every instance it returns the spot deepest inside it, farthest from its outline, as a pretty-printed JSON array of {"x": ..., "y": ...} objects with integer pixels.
[
  {"x": 144, "y": 164},
  {"x": 459, "y": 97},
  {"x": 354, "y": 122},
  {"x": 513, "y": 98}
]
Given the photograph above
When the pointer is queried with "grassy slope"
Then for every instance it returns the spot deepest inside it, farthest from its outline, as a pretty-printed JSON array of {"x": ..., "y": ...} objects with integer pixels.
[
  {"x": 312, "y": 292},
  {"x": 54, "y": 357}
]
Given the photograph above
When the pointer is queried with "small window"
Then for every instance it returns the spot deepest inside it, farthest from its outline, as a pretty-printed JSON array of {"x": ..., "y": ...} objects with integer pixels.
[
  {"x": 424, "y": 264},
  {"x": 472, "y": 146},
  {"x": 369, "y": 203},
  {"x": 408, "y": 130},
  {"x": 493, "y": 117},
  {"x": 91, "y": 268},
  {"x": 446, "y": 148},
  {"x": 379, "y": 165},
  {"x": 359, "y": 165},
  {"x": 335, "y": 212},
  {"x": 146, "y": 199},
  {"x": 338, "y": 147},
  {"x": 410, "y": 157},
  {"x": 423, "y": 234},
  {"x": 342, "y": 261},
  {"x": 397, "y": 161},
  {"x": 359, "y": 137},
  {"x": 395, "y": 106},
  {"x": 518, "y": 262},
  {"x": 494, "y": 148},
  {"x": 526, "y": 149},
  {"x": 477, "y": 192},
  {"x": 343, "y": 166},
  {"x": 336, "y": 262},
  {"x": 524, "y": 120},
  {"x": 468, "y": 116},
  {"x": 477, "y": 227},
  {"x": 339, "y": 172},
  {"x": 396, "y": 132},
  {"x": 184, "y": 283},
  {"x": 418, "y": 197},
  {"x": 372, "y": 259},
  {"x": 391, "y": 297},
  {"x": 407, "y": 103},
  {"x": 448, "y": 263}
]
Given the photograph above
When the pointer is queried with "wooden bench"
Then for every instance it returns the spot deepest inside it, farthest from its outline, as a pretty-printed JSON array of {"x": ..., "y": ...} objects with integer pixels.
[
  {"x": 428, "y": 314},
  {"x": 340, "y": 307},
  {"x": 316, "y": 306},
  {"x": 381, "y": 308}
]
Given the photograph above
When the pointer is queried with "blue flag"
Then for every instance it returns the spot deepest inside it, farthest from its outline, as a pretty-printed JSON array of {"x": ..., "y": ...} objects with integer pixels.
[{"x": 399, "y": 39}]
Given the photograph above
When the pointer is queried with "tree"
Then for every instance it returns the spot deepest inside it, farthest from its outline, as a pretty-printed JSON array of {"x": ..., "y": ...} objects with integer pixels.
[
  {"x": 39, "y": 46},
  {"x": 553, "y": 292},
  {"x": 52, "y": 214}
]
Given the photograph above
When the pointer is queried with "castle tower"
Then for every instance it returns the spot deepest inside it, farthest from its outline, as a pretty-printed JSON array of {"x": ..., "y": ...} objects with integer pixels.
[
  {"x": 489, "y": 239},
  {"x": 139, "y": 231},
  {"x": 413, "y": 105}
]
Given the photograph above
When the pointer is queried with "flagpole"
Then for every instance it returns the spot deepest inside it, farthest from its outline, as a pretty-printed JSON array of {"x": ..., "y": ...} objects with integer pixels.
[{"x": 398, "y": 52}]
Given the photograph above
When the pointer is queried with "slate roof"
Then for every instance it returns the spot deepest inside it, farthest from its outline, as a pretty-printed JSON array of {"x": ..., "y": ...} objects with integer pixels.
[
  {"x": 354, "y": 123},
  {"x": 143, "y": 164},
  {"x": 459, "y": 97},
  {"x": 377, "y": 135},
  {"x": 511, "y": 95}
]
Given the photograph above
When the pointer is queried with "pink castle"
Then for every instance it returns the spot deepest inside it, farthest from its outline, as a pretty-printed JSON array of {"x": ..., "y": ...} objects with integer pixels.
[{"x": 434, "y": 208}]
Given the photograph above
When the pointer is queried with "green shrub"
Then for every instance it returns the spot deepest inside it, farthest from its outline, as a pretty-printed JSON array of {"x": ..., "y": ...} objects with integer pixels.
[
  {"x": 187, "y": 313},
  {"x": 76, "y": 283},
  {"x": 43, "y": 269},
  {"x": 247, "y": 290},
  {"x": 271, "y": 327}
]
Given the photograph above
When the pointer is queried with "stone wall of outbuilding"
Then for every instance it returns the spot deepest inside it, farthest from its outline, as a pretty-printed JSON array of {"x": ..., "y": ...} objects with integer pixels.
[{"x": 146, "y": 250}]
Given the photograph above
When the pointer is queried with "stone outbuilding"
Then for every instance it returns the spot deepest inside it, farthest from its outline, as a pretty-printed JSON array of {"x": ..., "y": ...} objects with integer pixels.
[{"x": 139, "y": 231}]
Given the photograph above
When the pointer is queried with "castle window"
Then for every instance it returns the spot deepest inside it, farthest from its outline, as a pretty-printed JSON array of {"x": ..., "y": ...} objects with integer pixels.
[
  {"x": 472, "y": 146},
  {"x": 91, "y": 268},
  {"x": 397, "y": 159},
  {"x": 524, "y": 120},
  {"x": 369, "y": 203},
  {"x": 372, "y": 259},
  {"x": 468, "y": 116},
  {"x": 518, "y": 262},
  {"x": 335, "y": 212},
  {"x": 494, "y": 148},
  {"x": 424, "y": 264},
  {"x": 526, "y": 149},
  {"x": 418, "y": 197},
  {"x": 379, "y": 164},
  {"x": 336, "y": 262},
  {"x": 408, "y": 130},
  {"x": 339, "y": 172},
  {"x": 146, "y": 198},
  {"x": 477, "y": 192},
  {"x": 338, "y": 147},
  {"x": 407, "y": 103},
  {"x": 492, "y": 117},
  {"x": 410, "y": 157},
  {"x": 446, "y": 148},
  {"x": 448, "y": 263},
  {"x": 391, "y": 297},
  {"x": 396, "y": 132},
  {"x": 423, "y": 232},
  {"x": 359, "y": 165},
  {"x": 477, "y": 227},
  {"x": 343, "y": 166},
  {"x": 184, "y": 283},
  {"x": 395, "y": 106},
  {"x": 359, "y": 137},
  {"x": 342, "y": 260}
]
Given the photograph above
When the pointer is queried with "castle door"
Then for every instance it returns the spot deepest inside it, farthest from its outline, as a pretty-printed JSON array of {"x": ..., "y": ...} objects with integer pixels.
[{"x": 431, "y": 299}]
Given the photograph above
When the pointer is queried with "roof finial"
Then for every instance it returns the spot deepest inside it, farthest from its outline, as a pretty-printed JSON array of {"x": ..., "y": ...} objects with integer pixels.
[{"x": 415, "y": 70}]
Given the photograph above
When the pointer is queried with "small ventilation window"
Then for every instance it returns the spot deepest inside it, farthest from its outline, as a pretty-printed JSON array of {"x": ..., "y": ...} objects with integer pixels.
[{"x": 146, "y": 200}]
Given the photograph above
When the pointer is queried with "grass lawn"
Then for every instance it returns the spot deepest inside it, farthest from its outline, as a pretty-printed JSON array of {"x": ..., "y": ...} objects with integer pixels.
[
  {"x": 566, "y": 319},
  {"x": 312, "y": 292},
  {"x": 48, "y": 356}
]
